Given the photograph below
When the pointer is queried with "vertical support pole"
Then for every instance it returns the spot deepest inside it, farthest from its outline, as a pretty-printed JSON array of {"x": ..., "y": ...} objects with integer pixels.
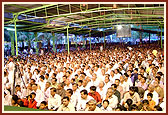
[
  {"x": 104, "y": 40},
  {"x": 53, "y": 35},
  {"x": 83, "y": 41},
  {"x": 16, "y": 37},
  {"x": 12, "y": 43},
  {"x": 90, "y": 41},
  {"x": 149, "y": 38},
  {"x": 68, "y": 37},
  {"x": 36, "y": 38},
  {"x": 140, "y": 35},
  {"x": 76, "y": 41},
  {"x": 161, "y": 37}
]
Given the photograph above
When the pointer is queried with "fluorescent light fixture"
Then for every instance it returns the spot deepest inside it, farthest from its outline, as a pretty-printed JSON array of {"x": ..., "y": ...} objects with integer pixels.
[
  {"x": 10, "y": 29},
  {"x": 119, "y": 27}
]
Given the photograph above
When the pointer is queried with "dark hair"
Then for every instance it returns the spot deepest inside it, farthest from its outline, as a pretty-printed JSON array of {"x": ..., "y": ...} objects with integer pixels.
[
  {"x": 84, "y": 92},
  {"x": 15, "y": 98},
  {"x": 150, "y": 65},
  {"x": 47, "y": 74},
  {"x": 65, "y": 76},
  {"x": 66, "y": 97},
  {"x": 134, "y": 106},
  {"x": 29, "y": 96},
  {"x": 126, "y": 75},
  {"x": 115, "y": 86},
  {"x": 53, "y": 88},
  {"x": 93, "y": 88},
  {"x": 136, "y": 69},
  {"x": 42, "y": 77},
  {"x": 132, "y": 88},
  {"x": 81, "y": 81},
  {"x": 158, "y": 108},
  {"x": 75, "y": 84},
  {"x": 17, "y": 86},
  {"x": 76, "y": 74},
  {"x": 158, "y": 77},
  {"x": 73, "y": 79},
  {"x": 118, "y": 108},
  {"x": 70, "y": 91},
  {"x": 118, "y": 79},
  {"x": 55, "y": 79},
  {"x": 129, "y": 102},
  {"x": 145, "y": 101},
  {"x": 150, "y": 94},
  {"x": 106, "y": 101},
  {"x": 160, "y": 73},
  {"x": 44, "y": 102},
  {"x": 33, "y": 93}
]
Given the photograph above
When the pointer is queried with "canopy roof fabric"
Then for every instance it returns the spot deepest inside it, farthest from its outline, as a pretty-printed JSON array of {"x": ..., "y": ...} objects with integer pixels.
[{"x": 81, "y": 18}]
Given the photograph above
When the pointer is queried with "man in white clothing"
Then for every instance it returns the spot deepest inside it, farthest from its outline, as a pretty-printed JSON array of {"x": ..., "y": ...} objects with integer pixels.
[
  {"x": 66, "y": 105},
  {"x": 113, "y": 100},
  {"x": 54, "y": 101},
  {"x": 155, "y": 94},
  {"x": 7, "y": 98},
  {"x": 92, "y": 106},
  {"x": 11, "y": 67},
  {"x": 81, "y": 106},
  {"x": 39, "y": 94}
]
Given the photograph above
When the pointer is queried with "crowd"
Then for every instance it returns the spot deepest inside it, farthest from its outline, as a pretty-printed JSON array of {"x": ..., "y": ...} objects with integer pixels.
[{"x": 115, "y": 79}]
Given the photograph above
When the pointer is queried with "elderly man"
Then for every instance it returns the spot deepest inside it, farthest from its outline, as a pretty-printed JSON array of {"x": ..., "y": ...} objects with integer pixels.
[
  {"x": 113, "y": 100},
  {"x": 92, "y": 106},
  {"x": 155, "y": 94}
]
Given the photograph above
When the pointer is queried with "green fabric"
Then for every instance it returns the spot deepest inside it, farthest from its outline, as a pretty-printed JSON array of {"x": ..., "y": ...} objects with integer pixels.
[{"x": 13, "y": 108}]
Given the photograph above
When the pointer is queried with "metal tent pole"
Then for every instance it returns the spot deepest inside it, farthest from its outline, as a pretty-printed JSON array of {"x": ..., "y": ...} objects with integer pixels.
[
  {"x": 53, "y": 35},
  {"x": 104, "y": 40},
  {"x": 90, "y": 41},
  {"x": 68, "y": 37},
  {"x": 16, "y": 37},
  {"x": 161, "y": 37},
  {"x": 36, "y": 38}
]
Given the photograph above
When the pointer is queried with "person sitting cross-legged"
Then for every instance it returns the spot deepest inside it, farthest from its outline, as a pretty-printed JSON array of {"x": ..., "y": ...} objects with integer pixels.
[{"x": 66, "y": 105}]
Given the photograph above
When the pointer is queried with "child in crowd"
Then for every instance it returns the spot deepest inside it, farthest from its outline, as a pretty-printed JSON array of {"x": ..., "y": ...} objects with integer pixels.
[
  {"x": 43, "y": 105},
  {"x": 105, "y": 106},
  {"x": 151, "y": 102}
]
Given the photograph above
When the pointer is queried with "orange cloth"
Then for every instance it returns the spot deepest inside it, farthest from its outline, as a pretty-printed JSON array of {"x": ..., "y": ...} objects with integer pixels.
[
  {"x": 32, "y": 104},
  {"x": 96, "y": 96},
  {"x": 152, "y": 104}
]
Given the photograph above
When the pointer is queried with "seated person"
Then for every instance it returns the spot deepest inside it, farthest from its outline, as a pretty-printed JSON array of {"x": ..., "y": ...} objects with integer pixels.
[
  {"x": 32, "y": 103},
  {"x": 43, "y": 105},
  {"x": 105, "y": 106},
  {"x": 151, "y": 102},
  {"x": 14, "y": 100},
  {"x": 145, "y": 106},
  {"x": 66, "y": 105},
  {"x": 93, "y": 93},
  {"x": 92, "y": 106}
]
